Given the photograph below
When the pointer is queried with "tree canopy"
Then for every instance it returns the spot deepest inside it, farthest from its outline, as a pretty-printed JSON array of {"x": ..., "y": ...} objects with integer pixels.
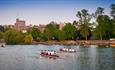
[
  {"x": 10, "y": 37},
  {"x": 70, "y": 31},
  {"x": 36, "y": 34},
  {"x": 28, "y": 39}
]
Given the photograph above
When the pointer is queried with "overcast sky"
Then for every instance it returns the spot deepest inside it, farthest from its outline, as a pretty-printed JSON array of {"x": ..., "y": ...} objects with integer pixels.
[{"x": 43, "y": 11}]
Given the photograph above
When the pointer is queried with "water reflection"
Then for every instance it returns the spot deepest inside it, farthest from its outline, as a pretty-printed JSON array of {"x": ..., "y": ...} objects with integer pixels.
[
  {"x": 27, "y": 57},
  {"x": 93, "y": 54}
]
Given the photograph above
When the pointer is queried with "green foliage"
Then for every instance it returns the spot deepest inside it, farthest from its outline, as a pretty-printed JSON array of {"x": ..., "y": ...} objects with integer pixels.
[
  {"x": 20, "y": 38},
  {"x": 52, "y": 26},
  {"x": 99, "y": 31},
  {"x": 99, "y": 11},
  {"x": 85, "y": 30},
  {"x": 50, "y": 31},
  {"x": 1, "y": 35},
  {"x": 112, "y": 13},
  {"x": 13, "y": 37},
  {"x": 113, "y": 28},
  {"x": 36, "y": 34},
  {"x": 47, "y": 34},
  {"x": 104, "y": 26},
  {"x": 85, "y": 17},
  {"x": 28, "y": 39},
  {"x": 70, "y": 31},
  {"x": 60, "y": 35},
  {"x": 53, "y": 33},
  {"x": 10, "y": 37},
  {"x": 6, "y": 29},
  {"x": 84, "y": 13}
]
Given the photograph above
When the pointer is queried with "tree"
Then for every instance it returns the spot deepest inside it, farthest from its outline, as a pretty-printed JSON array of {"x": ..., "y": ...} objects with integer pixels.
[
  {"x": 7, "y": 28},
  {"x": 113, "y": 20},
  {"x": 79, "y": 15},
  {"x": 60, "y": 35},
  {"x": 85, "y": 17},
  {"x": 100, "y": 31},
  {"x": 20, "y": 38},
  {"x": 28, "y": 39},
  {"x": 108, "y": 26},
  {"x": 112, "y": 10},
  {"x": 36, "y": 34},
  {"x": 113, "y": 27},
  {"x": 47, "y": 34},
  {"x": 70, "y": 31},
  {"x": 85, "y": 30},
  {"x": 1, "y": 35},
  {"x": 99, "y": 11},
  {"x": 104, "y": 26},
  {"x": 52, "y": 27},
  {"x": 10, "y": 37}
]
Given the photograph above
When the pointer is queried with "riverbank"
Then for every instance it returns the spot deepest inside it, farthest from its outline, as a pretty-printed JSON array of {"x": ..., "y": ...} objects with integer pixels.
[
  {"x": 110, "y": 43},
  {"x": 78, "y": 42}
]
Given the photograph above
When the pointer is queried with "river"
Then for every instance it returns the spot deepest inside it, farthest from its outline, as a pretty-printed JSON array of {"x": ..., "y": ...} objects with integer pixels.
[{"x": 27, "y": 57}]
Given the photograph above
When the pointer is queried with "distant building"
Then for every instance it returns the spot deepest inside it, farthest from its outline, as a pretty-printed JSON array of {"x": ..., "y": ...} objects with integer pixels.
[
  {"x": 24, "y": 31},
  {"x": 10, "y": 26},
  {"x": 61, "y": 25},
  {"x": 20, "y": 25},
  {"x": 28, "y": 27}
]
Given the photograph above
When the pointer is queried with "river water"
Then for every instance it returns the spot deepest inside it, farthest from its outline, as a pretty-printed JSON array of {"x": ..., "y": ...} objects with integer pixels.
[{"x": 27, "y": 57}]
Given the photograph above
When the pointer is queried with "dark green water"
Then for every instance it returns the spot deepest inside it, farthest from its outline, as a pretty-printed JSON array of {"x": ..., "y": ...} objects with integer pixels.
[{"x": 27, "y": 57}]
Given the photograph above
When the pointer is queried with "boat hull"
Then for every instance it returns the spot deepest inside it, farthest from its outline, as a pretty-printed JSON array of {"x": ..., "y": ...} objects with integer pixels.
[{"x": 49, "y": 56}]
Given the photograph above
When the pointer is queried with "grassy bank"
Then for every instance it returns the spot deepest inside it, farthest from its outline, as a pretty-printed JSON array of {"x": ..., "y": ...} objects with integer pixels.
[{"x": 78, "y": 42}]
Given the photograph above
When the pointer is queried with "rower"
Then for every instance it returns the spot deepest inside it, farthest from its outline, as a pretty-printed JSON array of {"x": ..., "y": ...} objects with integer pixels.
[
  {"x": 48, "y": 52},
  {"x": 72, "y": 50},
  {"x": 64, "y": 49},
  {"x": 51, "y": 53}
]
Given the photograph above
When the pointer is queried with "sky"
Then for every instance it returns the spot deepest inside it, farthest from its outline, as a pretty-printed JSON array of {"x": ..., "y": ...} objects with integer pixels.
[{"x": 37, "y": 12}]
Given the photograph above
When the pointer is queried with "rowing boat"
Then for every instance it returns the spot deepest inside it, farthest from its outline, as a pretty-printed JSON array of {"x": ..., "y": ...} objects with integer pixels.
[{"x": 68, "y": 50}]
